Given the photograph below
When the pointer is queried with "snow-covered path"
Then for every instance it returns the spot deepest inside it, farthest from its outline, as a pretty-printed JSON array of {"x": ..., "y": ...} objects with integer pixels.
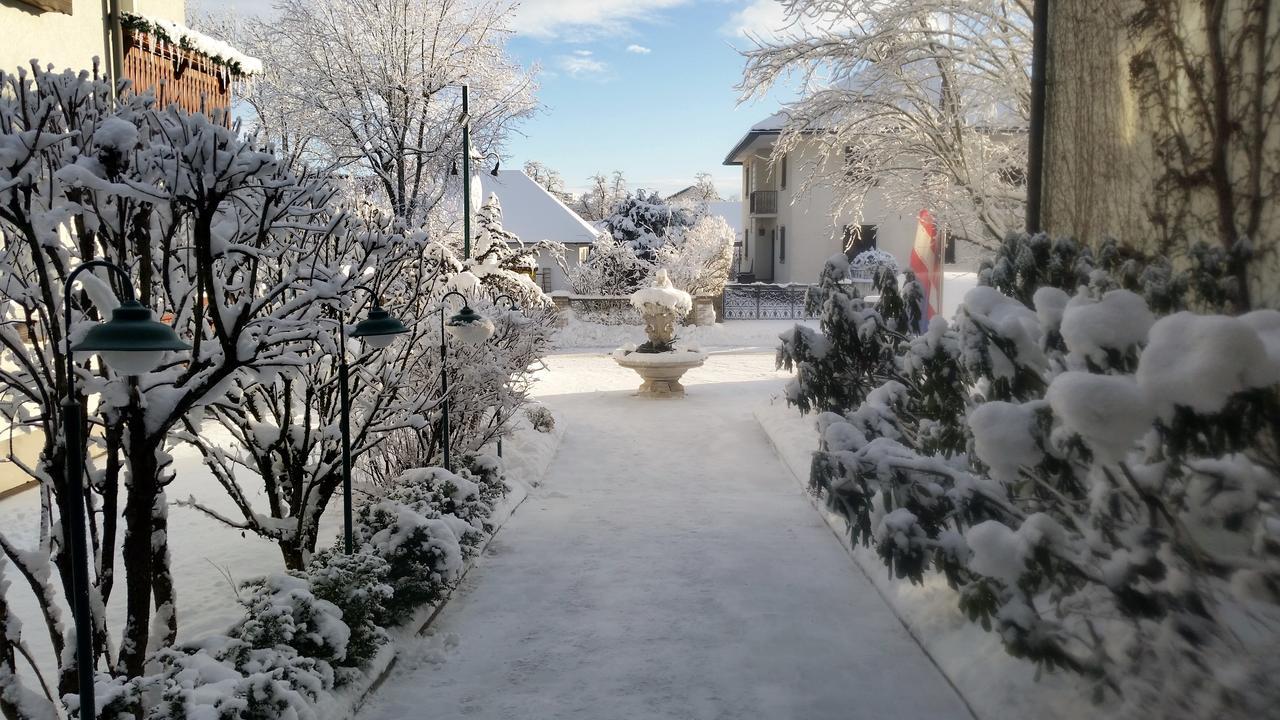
[{"x": 667, "y": 568}]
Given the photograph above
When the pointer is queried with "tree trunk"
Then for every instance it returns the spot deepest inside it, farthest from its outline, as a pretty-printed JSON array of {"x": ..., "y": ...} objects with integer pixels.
[{"x": 139, "y": 518}]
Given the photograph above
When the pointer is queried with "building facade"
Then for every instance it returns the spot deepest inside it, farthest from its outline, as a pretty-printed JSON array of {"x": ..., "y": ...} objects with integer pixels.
[{"x": 789, "y": 231}]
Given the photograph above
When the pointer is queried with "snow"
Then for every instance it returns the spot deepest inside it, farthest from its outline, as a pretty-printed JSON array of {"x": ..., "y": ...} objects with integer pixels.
[
  {"x": 1200, "y": 361},
  {"x": 669, "y": 570},
  {"x": 532, "y": 213},
  {"x": 1003, "y": 438},
  {"x": 1109, "y": 411},
  {"x": 1118, "y": 322}
]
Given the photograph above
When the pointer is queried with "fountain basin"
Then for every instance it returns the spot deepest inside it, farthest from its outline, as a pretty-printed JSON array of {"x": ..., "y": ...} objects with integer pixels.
[{"x": 660, "y": 372}]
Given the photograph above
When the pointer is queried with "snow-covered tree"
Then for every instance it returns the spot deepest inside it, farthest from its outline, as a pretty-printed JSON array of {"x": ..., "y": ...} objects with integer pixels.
[
  {"x": 1095, "y": 482},
  {"x": 602, "y": 195},
  {"x": 699, "y": 260},
  {"x": 926, "y": 101},
  {"x": 644, "y": 222},
  {"x": 370, "y": 87}
]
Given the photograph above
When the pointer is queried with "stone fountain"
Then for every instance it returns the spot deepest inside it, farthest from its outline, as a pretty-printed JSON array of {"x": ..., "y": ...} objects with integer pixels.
[{"x": 658, "y": 361}]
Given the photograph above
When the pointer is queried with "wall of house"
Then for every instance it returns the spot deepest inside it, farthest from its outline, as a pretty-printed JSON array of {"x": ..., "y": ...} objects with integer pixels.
[
  {"x": 813, "y": 234},
  {"x": 549, "y": 267},
  {"x": 66, "y": 40},
  {"x": 1104, "y": 176}
]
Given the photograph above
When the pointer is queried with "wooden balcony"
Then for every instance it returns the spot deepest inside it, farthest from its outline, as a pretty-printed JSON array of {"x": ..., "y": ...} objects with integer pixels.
[
  {"x": 176, "y": 74},
  {"x": 764, "y": 202}
]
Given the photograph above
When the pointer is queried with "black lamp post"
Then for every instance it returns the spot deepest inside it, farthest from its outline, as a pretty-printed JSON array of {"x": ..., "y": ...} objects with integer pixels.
[
  {"x": 466, "y": 170},
  {"x": 470, "y": 327},
  {"x": 132, "y": 343},
  {"x": 379, "y": 330},
  {"x": 512, "y": 305}
]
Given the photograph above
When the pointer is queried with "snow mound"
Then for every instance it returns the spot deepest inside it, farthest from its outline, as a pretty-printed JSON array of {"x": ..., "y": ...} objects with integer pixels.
[
  {"x": 1003, "y": 439},
  {"x": 1200, "y": 361},
  {"x": 1116, "y": 323},
  {"x": 1109, "y": 412}
]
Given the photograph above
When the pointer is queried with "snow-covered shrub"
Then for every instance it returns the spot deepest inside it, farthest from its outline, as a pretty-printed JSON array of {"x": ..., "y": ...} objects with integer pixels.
[
  {"x": 540, "y": 418},
  {"x": 613, "y": 269},
  {"x": 436, "y": 491},
  {"x": 423, "y": 550},
  {"x": 1097, "y": 483},
  {"x": 357, "y": 585},
  {"x": 282, "y": 611}
]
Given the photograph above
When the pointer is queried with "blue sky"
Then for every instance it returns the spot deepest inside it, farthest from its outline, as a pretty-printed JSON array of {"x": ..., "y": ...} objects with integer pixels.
[{"x": 641, "y": 86}]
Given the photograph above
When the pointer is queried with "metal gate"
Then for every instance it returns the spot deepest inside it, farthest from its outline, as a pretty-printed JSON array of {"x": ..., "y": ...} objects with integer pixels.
[{"x": 759, "y": 301}]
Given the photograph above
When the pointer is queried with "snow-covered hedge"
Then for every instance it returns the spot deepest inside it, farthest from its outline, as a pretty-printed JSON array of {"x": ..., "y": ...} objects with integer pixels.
[
  {"x": 307, "y": 634},
  {"x": 1092, "y": 467}
]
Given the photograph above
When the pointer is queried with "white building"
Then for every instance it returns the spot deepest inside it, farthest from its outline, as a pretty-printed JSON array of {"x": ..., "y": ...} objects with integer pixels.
[
  {"x": 788, "y": 234},
  {"x": 535, "y": 215}
]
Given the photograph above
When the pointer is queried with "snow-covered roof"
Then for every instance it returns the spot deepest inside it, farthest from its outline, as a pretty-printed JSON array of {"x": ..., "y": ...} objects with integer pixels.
[{"x": 532, "y": 213}]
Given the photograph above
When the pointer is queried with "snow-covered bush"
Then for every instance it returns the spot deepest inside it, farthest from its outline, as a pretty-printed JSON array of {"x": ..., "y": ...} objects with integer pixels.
[
  {"x": 700, "y": 258},
  {"x": 645, "y": 234},
  {"x": 282, "y": 611},
  {"x": 356, "y": 584},
  {"x": 540, "y": 418},
  {"x": 1098, "y": 484},
  {"x": 423, "y": 550}
]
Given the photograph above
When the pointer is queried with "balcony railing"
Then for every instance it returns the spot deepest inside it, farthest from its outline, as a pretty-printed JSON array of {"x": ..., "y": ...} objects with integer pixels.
[{"x": 764, "y": 202}]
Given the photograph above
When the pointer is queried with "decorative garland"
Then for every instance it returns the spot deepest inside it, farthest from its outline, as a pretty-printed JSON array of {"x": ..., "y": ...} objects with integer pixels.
[{"x": 189, "y": 40}]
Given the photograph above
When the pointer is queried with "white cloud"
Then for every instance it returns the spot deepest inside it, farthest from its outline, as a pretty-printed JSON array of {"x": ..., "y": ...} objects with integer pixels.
[
  {"x": 582, "y": 66},
  {"x": 585, "y": 18},
  {"x": 638, "y": 49}
]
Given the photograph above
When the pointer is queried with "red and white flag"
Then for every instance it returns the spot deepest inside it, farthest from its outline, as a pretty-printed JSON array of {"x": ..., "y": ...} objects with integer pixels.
[{"x": 926, "y": 263}]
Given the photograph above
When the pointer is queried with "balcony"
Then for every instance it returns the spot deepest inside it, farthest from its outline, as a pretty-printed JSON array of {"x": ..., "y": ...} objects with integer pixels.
[{"x": 764, "y": 202}]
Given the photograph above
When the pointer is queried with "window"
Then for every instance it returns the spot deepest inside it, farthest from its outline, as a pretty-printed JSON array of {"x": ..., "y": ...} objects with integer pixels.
[
  {"x": 782, "y": 244},
  {"x": 857, "y": 169},
  {"x": 544, "y": 279},
  {"x": 746, "y": 243},
  {"x": 859, "y": 239},
  {"x": 584, "y": 252},
  {"x": 783, "y": 179}
]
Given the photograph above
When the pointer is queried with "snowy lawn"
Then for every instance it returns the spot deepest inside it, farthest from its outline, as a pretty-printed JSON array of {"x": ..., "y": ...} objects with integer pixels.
[
  {"x": 669, "y": 566},
  {"x": 210, "y": 560}
]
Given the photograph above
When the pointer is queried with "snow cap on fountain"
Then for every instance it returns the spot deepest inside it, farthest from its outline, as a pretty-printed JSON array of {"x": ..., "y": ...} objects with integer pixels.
[{"x": 663, "y": 294}]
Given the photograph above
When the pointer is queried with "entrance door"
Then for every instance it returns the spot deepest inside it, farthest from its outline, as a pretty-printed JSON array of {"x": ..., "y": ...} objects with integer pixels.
[{"x": 764, "y": 254}]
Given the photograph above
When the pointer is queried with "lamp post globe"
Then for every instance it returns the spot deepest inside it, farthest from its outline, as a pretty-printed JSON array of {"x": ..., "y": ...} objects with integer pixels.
[
  {"x": 131, "y": 342},
  {"x": 469, "y": 326},
  {"x": 380, "y": 329}
]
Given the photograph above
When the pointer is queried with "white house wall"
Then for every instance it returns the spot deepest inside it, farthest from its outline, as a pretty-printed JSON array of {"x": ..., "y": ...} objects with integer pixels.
[
  {"x": 813, "y": 234},
  {"x": 67, "y": 40}
]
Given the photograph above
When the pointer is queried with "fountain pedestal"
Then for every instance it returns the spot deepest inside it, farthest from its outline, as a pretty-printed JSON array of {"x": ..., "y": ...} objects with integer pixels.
[{"x": 660, "y": 373}]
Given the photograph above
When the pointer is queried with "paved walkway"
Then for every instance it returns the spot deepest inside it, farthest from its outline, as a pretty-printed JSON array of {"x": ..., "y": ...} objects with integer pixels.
[{"x": 667, "y": 568}]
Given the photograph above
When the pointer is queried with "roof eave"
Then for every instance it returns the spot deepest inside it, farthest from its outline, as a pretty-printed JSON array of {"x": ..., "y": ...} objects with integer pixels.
[{"x": 750, "y": 137}]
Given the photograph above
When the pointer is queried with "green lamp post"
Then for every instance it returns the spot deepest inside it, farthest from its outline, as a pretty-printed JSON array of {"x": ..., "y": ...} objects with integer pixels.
[
  {"x": 470, "y": 327},
  {"x": 378, "y": 330},
  {"x": 130, "y": 343}
]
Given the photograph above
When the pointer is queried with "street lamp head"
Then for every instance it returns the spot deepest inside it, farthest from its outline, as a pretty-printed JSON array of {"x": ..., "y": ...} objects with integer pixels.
[
  {"x": 469, "y": 326},
  {"x": 496, "y": 164},
  {"x": 131, "y": 342},
  {"x": 453, "y": 168},
  {"x": 379, "y": 330}
]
